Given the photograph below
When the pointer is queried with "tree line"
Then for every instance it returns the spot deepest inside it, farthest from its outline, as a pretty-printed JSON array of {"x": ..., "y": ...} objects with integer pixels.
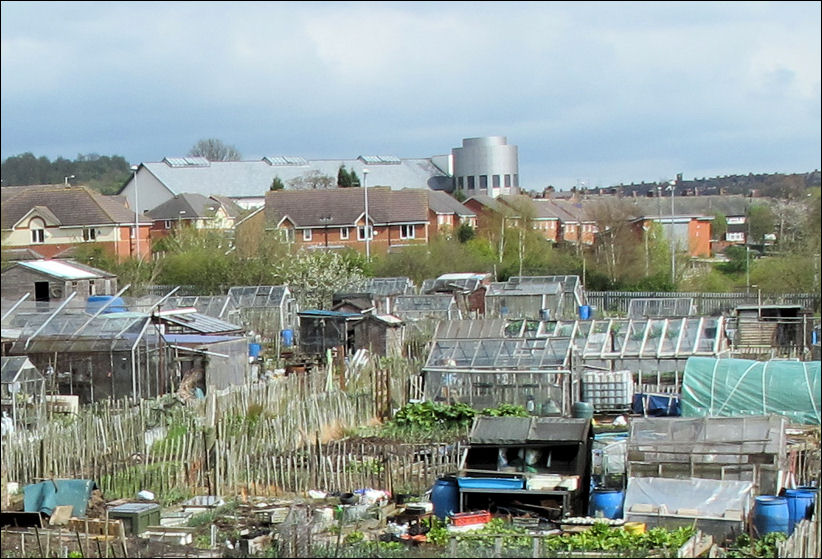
[{"x": 106, "y": 174}]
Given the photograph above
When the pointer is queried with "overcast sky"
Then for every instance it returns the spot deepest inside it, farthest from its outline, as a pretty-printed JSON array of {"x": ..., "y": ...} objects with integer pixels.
[{"x": 593, "y": 93}]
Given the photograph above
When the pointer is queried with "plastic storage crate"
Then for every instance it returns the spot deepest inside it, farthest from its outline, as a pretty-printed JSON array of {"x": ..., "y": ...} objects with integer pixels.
[
  {"x": 468, "y": 518},
  {"x": 490, "y": 483},
  {"x": 608, "y": 390}
]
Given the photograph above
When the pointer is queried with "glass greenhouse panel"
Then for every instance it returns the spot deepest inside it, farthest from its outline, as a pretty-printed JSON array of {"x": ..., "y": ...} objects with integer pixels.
[
  {"x": 709, "y": 334},
  {"x": 464, "y": 352},
  {"x": 656, "y": 329},
  {"x": 636, "y": 334},
  {"x": 486, "y": 354},
  {"x": 689, "y": 337},
  {"x": 670, "y": 339}
]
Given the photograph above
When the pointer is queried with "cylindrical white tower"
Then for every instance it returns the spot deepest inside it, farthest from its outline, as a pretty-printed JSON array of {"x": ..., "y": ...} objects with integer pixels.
[{"x": 486, "y": 166}]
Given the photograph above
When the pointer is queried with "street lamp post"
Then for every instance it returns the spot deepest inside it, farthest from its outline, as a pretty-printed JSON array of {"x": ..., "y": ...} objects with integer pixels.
[
  {"x": 366, "y": 229},
  {"x": 672, "y": 187},
  {"x": 136, "y": 214},
  {"x": 66, "y": 179}
]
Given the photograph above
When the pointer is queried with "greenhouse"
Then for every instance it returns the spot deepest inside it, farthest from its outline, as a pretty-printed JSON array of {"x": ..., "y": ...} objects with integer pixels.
[
  {"x": 420, "y": 307},
  {"x": 116, "y": 354},
  {"x": 646, "y": 345},
  {"x": 659, "y": 307},
  {"x": 22, "y": 389},
  {"x": 265, "y": 309},
  {"x": 534, "y": 373},
  {"x": 219, "y": 306},
  {"x": 544, "y": 297}
]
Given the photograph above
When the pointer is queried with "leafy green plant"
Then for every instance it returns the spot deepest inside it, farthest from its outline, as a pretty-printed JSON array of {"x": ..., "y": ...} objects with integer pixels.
[
  {"x": 745, "y": 546},
  {"x": 506, "y": 410},
  {"x": 354, "y": 537},
  {"x": 601, "y": 537}
]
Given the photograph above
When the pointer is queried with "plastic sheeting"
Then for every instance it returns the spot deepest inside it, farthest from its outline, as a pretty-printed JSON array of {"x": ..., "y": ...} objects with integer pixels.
[
  {"x": 46, "y": 495},
  {"x": 709, "y": 497},
  {"x": 739, "y": 387}
]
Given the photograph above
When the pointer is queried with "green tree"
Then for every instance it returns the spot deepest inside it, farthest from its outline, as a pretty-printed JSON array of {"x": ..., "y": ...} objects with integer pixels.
[
  {"x": 719, "y": 226},
  {"x": 343, "y": 178},
  {"x": 214, "y": 150},
  {"x": 277, "y": 184},
  {"x": 760, "y": 222},
  {"x": 465, "y": 232}
]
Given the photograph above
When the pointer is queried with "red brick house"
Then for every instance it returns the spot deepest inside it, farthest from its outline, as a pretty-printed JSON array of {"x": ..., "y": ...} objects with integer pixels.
[{"x": 336, "y": 218}]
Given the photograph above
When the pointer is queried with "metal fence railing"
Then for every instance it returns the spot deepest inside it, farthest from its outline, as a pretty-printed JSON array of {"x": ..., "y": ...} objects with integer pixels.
[{"x": 616, "y": 302}]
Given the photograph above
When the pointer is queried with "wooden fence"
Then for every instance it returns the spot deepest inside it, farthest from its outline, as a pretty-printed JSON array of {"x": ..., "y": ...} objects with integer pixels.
[
  {"x": 805, "y": 542},
  {"x": 616, "y": 302},
  {"x": 268, "y": 437}
]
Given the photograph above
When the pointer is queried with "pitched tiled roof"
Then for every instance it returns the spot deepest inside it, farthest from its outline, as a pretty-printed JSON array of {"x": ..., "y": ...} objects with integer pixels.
[
  {"x": 72, "y": 206},
  {"x": 443, "y": 203},
  {"x": 193, "y": 205},
  {"x": 492, "y": 204},
  {"x": 309, "y": 208}
]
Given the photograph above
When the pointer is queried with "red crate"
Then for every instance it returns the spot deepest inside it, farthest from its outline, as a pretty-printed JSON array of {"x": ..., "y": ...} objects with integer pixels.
[{"x": 468, "y": 518}]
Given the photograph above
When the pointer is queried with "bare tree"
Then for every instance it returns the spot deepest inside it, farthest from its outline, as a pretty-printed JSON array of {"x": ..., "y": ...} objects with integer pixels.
[
  {"x": 312, "y": 180},
  {"x": 214, "y": 150},
  {"x": 616, "y": 246}
]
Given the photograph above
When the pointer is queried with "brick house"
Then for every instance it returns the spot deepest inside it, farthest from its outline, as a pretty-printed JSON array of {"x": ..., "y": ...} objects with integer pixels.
[
  {"x": 53, "y": 219},
  {"x": 336, "y": 219}
]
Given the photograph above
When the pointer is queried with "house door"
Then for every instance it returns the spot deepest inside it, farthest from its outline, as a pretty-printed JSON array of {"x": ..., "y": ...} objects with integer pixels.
[{"x": 41, "y": 291}]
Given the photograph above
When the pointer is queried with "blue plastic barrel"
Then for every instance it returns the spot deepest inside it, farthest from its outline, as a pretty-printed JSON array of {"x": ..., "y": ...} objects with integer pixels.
[
  {"x": 770, "y": 514},
  {"x": 608, "y": 502},
  {"x": 445, "y": 496},
  {"x": 254, "y": 350},
  {"x": 94, "y": 303},
  {"x": 585, "y": 312},
  {"x": 287, "y": 337},
  {"x": 800, "y": 506}
]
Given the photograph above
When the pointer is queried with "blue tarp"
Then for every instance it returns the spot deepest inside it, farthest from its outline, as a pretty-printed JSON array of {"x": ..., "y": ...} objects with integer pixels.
[
  {"x": 46, "y": 495},
  {"x": 659, "y": 405}
]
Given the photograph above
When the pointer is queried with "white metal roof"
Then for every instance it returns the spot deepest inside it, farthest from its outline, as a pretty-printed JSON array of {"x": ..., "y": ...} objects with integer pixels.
[{"x": 59, "y": 269}]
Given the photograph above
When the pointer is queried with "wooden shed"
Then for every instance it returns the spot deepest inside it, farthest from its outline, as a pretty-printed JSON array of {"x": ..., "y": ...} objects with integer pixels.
[{"x": 55, "y": 280}]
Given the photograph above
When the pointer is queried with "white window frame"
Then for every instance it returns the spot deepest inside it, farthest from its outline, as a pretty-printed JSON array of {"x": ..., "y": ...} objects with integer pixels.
[
  {"x": 361, "y": 232},
  {"x": 344, "y": 233},
  {"x": 287, "y": 234},
  {"x": 167, "y": 223},
  {"x": 307, "y": 234},
  {"x": 405, "y": 230},
  {"x": 89, "y": 234},
  {"x": 38, "y": 231}
]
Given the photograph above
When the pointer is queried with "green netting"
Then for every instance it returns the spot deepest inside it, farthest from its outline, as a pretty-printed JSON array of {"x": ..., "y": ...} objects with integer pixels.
[{"x": 735, "y": 387}]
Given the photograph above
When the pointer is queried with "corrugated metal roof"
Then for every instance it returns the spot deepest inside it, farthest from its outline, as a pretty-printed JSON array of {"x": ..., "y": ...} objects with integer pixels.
[
  {"x": 202, "y": 323},
  {"x": 242, "y": 179}
]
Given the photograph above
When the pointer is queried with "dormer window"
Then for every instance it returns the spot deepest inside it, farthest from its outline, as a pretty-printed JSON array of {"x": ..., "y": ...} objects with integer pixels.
[{"x": 38, "y": 230}]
